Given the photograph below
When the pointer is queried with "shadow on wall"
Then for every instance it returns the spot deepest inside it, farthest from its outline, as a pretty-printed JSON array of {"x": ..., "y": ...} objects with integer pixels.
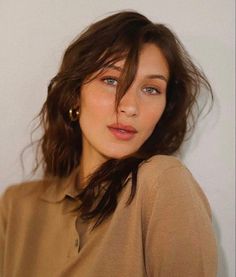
[
  {"x": 211, "y": 47},
  {"x": 222, "y": 262}
]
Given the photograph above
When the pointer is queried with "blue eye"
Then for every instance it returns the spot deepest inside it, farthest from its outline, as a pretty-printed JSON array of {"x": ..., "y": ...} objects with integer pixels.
[
  {"x": 110, "y": 81},
  {"x": 151, "y": 90}
]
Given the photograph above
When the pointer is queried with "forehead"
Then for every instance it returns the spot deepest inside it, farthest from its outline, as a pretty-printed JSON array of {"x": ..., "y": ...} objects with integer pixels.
[{"x": 151, "y": 60}]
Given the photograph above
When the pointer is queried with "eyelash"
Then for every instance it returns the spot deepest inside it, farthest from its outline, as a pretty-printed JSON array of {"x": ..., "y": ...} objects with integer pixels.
[{"x": 114, "y": 79}]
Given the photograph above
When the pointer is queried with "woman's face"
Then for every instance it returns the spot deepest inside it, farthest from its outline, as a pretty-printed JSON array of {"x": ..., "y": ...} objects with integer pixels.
[{"x": 141, "y": 107}]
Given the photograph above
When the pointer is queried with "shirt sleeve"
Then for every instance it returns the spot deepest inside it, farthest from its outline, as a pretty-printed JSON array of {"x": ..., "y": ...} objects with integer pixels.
[
  {"x": 180, "y": 239},
  {"x": 4, "y": 207}
]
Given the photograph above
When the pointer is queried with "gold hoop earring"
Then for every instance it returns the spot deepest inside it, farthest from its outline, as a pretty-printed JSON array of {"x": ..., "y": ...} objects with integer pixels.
[{"x": 73, "y": 114}]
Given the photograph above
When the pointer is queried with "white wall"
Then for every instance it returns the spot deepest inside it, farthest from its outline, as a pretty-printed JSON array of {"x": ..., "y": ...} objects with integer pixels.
[{"x": 34, "y": 35}]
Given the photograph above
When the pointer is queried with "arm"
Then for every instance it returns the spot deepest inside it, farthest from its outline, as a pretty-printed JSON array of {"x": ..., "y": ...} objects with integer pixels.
[
  {"x": 4, "y": 207},
  {"x": 2, "y": 231},
  {"x": 180, "y": 240}
]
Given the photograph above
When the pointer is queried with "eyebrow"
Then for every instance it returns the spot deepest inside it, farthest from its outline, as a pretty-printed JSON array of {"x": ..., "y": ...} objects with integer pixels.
[{"x": 151, "y": 76}]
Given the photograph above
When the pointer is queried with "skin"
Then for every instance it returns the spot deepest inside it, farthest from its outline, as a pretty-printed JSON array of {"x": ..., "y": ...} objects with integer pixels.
[{"x": 141, "y": 107}]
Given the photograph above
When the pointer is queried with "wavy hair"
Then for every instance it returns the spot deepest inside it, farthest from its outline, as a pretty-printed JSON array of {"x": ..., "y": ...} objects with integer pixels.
[{"x": 118, "y": 36}]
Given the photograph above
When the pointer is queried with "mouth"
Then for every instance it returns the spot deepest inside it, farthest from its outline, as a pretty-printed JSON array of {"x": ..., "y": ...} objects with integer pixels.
[
  {"x": 122, "y": 134},
  {"x": 120, "y": 126}
]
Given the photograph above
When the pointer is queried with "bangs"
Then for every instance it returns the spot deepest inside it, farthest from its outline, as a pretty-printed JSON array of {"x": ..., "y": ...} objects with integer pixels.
[{"x": 111, "y": 56}]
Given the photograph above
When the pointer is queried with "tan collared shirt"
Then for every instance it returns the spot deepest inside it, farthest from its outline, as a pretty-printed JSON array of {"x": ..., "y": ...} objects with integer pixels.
[{"x": 165, "y": 232}]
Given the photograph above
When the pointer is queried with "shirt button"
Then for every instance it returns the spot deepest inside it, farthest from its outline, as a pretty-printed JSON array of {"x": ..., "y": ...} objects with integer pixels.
[{"x": 76, "y": 243}]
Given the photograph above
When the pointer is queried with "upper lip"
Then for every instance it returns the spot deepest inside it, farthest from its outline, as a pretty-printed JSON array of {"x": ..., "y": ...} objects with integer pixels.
[{"x": 123, "y": 127}]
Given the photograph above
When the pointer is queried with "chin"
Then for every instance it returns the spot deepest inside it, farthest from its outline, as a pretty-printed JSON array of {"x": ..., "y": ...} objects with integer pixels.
[{"x": 119, "y": 155}]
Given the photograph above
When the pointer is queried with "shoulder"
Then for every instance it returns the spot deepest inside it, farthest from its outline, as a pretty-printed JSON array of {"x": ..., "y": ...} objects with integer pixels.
[
  {"x": 176, "y": 218},
  {"x": 166, "y": 179},
  {"x": 19, "y": 198},
  {"x": 26, "y": 190},
  {"x": 155, "y": 166},
  {"x": 165, "y": 161}
]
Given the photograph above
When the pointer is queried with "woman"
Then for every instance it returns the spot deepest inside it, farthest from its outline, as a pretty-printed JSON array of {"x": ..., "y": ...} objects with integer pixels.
[{"x": 114, "y": 201}]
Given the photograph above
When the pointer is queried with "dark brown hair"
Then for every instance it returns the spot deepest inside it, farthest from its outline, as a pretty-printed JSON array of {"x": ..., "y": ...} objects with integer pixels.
[{"x": 119, "y": 36}]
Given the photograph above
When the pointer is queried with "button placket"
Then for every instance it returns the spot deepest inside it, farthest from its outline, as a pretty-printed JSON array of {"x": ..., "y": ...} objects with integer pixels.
[{"x": 75, "y": 239}]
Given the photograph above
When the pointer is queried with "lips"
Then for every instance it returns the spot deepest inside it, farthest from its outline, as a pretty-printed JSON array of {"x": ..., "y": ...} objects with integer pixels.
[
  {"x": 122, "y": 132},
  {"x": 121, "y": 127}
]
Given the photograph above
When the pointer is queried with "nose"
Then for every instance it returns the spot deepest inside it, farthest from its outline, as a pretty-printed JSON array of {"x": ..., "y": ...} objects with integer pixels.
[{"x": 129, "y": 104}]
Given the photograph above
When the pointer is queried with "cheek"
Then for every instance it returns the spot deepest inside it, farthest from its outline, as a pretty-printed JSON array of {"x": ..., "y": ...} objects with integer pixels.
[
  {"x": 93, "y": 99},
  {"x": 153, "y": 115},
  {"x": 95, "y": 104},
  {"x": 150, "y": 122}
]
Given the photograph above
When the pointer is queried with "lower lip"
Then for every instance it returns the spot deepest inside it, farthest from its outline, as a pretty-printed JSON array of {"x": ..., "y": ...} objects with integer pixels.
[{"x": 122, "y": 135}]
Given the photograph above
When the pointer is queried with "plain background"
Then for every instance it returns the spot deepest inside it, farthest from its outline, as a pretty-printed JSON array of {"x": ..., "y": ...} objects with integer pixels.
[{"x": 34, "y": 35}]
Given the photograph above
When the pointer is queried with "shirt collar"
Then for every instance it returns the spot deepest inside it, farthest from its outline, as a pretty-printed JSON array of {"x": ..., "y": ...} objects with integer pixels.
[{"x": 59, "y": 188}]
